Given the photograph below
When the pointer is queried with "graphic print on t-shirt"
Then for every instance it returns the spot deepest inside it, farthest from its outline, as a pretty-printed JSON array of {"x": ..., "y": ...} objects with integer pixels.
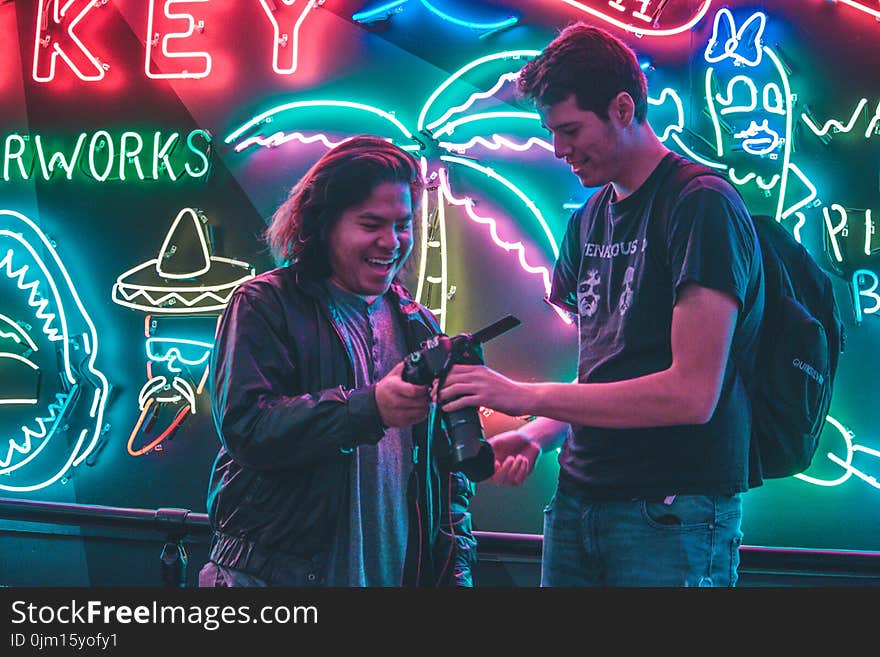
[
  {"x": 601, "y": 277},
  {"x": 626, "y": 296},
  {"x": 588, "y": 297}
]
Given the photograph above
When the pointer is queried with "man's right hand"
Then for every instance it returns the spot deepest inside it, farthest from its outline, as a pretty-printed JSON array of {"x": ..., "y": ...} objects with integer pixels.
[
  {"x": 515, "y": 457},
  {"x": 401, "y": 404}
]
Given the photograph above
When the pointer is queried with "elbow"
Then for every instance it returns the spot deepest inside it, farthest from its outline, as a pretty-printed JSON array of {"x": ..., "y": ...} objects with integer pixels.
[
  {"x": 699, "y": 408},
  {"x": 236, "y": 435}
]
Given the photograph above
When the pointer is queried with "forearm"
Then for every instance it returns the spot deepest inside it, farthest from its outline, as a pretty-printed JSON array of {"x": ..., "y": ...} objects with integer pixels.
[
  {"x": 274, "y": 432},
  {"x": 545, "y": 432},
  {"x": 654, "y": 400}
]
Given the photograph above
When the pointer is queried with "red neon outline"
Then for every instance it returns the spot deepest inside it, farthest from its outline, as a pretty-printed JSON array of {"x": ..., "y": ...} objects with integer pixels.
[
  {"x": 586, "y": 7},
  {"x": 181, "y": 414},
  {"x": 46, "y": 24}
]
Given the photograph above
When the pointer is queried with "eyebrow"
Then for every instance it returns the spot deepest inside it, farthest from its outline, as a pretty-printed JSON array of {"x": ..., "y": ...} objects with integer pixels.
[
  {"x": 377, "y": 217},
  {"x": 567, "y": 124}
]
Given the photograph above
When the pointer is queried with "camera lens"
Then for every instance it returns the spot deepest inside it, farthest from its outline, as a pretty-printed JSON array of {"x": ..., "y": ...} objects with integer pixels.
[{"x": 471, "y": 454}]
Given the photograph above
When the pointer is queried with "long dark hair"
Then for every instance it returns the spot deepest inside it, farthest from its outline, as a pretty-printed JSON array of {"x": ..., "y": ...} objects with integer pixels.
[{"x": 344, "y": 177}]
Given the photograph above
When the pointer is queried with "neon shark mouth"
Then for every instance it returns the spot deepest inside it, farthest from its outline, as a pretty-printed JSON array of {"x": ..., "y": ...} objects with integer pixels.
[{"x": 53, "y": 398}]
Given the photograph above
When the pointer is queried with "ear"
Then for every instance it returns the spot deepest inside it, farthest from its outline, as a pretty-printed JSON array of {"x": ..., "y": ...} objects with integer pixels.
[{"x": 622, "y": 109}]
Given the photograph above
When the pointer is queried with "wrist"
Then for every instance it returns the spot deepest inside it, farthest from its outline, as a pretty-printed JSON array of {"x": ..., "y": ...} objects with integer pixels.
[
  {"x": 545, "y": 434},
  {"x": 539, "y": 448}
]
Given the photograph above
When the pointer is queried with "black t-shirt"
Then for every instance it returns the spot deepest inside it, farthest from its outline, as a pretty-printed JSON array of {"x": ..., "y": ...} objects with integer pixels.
[{"x": 622, "y": 279}]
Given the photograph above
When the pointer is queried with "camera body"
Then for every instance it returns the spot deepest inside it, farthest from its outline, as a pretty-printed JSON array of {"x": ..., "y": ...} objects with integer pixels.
[{"x": 470, "y": 452}]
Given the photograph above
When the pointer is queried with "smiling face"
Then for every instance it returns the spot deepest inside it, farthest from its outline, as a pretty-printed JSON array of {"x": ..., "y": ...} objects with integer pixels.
[
  {"x": 371, "y": 241},
  {"x": 587, "y": 143}
]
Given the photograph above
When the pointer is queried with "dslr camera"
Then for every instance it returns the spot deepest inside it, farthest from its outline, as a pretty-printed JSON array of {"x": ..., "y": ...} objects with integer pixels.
[{"x": 470, "y": 452}]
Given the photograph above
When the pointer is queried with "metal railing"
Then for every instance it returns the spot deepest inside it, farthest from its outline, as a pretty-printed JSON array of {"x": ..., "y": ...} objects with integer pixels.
[{"x": 174, "y": 526}]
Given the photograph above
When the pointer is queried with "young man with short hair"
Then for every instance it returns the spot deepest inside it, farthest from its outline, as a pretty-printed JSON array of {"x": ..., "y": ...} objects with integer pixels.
[{"x": 669, "y": 297}]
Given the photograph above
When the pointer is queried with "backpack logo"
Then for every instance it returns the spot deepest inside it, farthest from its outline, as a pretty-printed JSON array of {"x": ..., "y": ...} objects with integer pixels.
[{"x": 809, "y": 370}]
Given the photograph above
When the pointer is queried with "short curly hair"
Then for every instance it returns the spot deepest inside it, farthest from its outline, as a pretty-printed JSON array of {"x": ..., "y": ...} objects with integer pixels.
[
  {"x": 343, "y": 177},
  {"x": 589, "y": 63}
]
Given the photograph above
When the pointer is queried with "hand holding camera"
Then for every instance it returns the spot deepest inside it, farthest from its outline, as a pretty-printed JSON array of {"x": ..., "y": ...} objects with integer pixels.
[
  {"x": 401, "y": 403},
  {"x": 470, "y": 453}
]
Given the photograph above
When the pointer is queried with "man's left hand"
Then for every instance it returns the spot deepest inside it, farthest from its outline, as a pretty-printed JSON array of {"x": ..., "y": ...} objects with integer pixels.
[{"x": 478, "y": 385}]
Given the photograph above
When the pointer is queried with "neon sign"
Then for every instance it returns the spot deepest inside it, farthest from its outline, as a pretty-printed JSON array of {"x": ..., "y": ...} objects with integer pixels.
[
  {"x": 864, "y": 284},
  {"x": 52, "y": 415},
  {"x": 102, "y": 156},
  {"x": 834, "y": 125},
  {"x": 285, "y": 46},
  {"x": 386, "y": 9},
  {"x": 200, "y": 281},
  {"x": 183, "y": 290},
  {"x": 177, "y": 370},
  {"x": 752, "y": 123},
  {"x": 846, "y": 462},
  {"x": 174, "y": 44},
  {"x": 839, "y": 228},
  {"x": 646, "y": 15},
  {"x": 447, "y": 122},
  {"x": 861, "y": 6},
  {"x": 193, "y": 64},
  {"x": 55, "y": 37}
]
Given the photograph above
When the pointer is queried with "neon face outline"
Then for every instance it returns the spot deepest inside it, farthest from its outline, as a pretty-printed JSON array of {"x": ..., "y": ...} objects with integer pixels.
[
  {"x": 172, "y": 350},
  {"x": 182, "y": 283},
  {"x": 34, "y": 457},
  {"x": 762, "y": 135},
  {"x": 183, "y": 365}
]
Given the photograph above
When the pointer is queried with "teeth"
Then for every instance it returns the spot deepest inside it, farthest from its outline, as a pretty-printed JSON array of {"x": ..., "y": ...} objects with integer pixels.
[
  {"x": 377, "y": 261},
  {"x": 35, "y": 435},
  {"x": 36, "y": 300}
]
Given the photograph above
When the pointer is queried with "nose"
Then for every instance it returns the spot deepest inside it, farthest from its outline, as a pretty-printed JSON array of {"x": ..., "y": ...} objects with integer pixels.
[
  {"x": 560, "y": 148},
  {"x": 389, "y": 238},
  {"x": 173, "y": 358}
]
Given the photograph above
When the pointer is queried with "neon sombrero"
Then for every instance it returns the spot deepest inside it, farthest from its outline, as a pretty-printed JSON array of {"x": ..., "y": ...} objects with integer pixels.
[{"x": 185, "y": 277}]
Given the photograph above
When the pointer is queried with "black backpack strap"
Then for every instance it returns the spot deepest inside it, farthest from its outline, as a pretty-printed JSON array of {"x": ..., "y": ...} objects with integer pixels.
[{"x": 671, "y": 188}]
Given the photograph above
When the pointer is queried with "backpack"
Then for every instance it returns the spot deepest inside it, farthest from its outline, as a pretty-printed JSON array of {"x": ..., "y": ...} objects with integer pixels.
[{"x": 800, "y": 340}]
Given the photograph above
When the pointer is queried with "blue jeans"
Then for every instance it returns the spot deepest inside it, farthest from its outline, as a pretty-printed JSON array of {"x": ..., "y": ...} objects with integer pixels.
[{"x": 693, "y": 540}]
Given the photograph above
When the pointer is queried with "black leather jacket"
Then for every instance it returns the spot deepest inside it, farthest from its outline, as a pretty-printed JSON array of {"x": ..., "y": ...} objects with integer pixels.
[{"x": 288, "y": 417}]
